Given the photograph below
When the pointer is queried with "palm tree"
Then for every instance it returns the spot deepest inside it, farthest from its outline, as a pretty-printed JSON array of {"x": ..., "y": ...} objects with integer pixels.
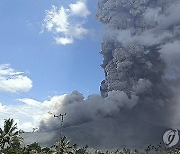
[
  {"x": 62, "y": 147},
  {"x": 9, "y": 133}
]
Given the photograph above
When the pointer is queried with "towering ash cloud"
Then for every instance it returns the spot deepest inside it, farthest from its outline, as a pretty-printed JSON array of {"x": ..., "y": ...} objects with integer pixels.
[
  {"x": 141, "y": 50},
  {"x": 141, "y": 64},
  {"x": 136, "y": 31}
]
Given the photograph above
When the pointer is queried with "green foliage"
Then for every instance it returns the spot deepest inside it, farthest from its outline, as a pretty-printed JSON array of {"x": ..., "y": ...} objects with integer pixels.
[
  {"x": 14, "y": 146},
  {"x": 46, "y": 150},
  {"x": 11, "y": 143},
  {"x": 32, "y": 148},
  {"x": 81, "y": 150},
  {"x": 9, "y": 137},
  {"x": 63, "y": 146}
]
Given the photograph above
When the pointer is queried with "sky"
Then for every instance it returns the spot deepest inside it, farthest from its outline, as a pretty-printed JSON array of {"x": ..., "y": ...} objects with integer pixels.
[{"x": 47, "y": 49}]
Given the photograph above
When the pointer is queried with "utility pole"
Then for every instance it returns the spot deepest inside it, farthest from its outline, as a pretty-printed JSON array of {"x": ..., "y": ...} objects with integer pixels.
[{"x": 61, "y": 118}]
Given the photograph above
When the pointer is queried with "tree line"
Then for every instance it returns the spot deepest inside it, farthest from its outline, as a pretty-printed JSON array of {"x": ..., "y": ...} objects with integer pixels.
[{"x": 11, "y": 142}]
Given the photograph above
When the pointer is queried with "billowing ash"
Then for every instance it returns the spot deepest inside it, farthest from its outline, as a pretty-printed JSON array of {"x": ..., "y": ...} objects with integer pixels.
[
  {"x": 141, "y": 64},
  {"x": 139, "y": 48},
  {"x": 136, "y": 31}
]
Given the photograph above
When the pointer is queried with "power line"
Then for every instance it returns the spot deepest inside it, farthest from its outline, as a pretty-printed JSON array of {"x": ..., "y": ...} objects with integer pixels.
[
  {"x": 7, "y": 95},
  {"x": 14, "y": 98},
  {"x": 89, "y": 130},
  {"x": 60, "y": 116},
  {"x": 13, "y": 89}
]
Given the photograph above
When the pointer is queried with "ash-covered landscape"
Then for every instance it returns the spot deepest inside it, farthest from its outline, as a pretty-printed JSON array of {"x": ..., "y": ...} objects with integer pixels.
[{"x": 112, "y": 76}]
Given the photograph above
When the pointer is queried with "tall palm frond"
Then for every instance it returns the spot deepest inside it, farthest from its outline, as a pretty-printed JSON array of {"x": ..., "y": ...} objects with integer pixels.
[{"x": 9, "y": 133}]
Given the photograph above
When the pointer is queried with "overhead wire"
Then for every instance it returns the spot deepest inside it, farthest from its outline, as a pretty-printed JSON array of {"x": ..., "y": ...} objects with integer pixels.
[
  {"x": 18, "y": 93},
  {"x": 7, "y": 95},
  {"x": 21, "y": 94}
]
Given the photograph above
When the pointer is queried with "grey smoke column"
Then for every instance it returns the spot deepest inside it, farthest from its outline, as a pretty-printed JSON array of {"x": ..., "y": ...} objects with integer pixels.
[{"x": 131, "y": 62}]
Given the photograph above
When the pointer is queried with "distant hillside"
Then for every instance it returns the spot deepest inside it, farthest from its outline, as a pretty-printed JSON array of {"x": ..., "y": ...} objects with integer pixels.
[{"x": 104, "y": 133}]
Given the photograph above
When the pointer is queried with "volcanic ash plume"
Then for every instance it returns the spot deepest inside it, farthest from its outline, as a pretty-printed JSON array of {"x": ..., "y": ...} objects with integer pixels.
[
  {"x": 139, "y": 34},
  {"x": 141, "y": 64},
  {"x": 135, "y": 33}
]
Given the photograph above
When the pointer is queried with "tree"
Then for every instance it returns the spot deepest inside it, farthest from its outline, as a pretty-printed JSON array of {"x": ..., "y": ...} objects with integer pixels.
[
  {"x": 9, "y": 135},
  {"x": 32, "y": 148},
  {"x": 66, "y": 147},
  {"x": 63, "y": 147},
  {"x": 14, "y": 147},
  {"x": 81, "y": 150}
]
